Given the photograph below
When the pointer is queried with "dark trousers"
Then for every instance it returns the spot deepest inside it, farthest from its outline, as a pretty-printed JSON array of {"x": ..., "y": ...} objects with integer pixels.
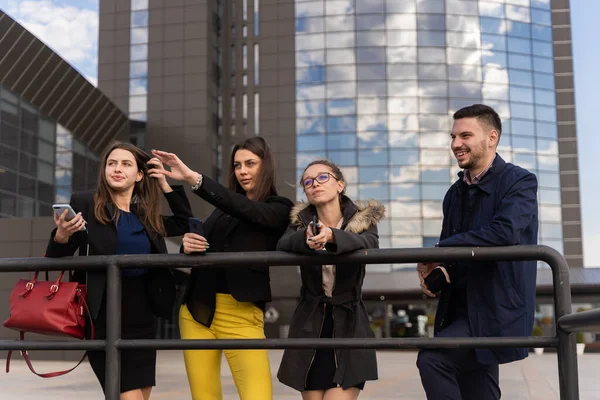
[{"x": 455, "y": 374}]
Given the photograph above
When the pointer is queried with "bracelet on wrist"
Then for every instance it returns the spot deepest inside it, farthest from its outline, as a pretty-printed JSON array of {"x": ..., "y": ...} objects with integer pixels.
[{"x": 198, "y": 183}]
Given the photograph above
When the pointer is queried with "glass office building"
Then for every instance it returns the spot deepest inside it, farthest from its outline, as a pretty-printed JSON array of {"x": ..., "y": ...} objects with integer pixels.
[
  {"x": 40, "y": 161},
  {"x": 377, "y": 82}
]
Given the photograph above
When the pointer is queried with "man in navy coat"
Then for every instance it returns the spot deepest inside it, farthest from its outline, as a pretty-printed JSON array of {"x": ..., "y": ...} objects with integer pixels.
[{"x": 493, "y": 203}]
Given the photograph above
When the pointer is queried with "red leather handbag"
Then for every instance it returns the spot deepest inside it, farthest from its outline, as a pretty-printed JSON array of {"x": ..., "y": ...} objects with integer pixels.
[{"x": 49, "y": 308}]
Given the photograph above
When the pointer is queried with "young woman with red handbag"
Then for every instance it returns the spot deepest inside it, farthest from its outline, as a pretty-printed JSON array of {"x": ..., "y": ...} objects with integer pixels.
[{"x": 123, "y": 217}]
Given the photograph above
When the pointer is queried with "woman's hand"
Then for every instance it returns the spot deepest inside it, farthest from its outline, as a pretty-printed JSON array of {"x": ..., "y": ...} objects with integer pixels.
[
  {"x": 318, "y": 242},
  {"x": 194, "y": 243},
  {"x": 179, "y": 171},
  {"x": 67, "y": 228},
  {"x": 154, "y": 165}
]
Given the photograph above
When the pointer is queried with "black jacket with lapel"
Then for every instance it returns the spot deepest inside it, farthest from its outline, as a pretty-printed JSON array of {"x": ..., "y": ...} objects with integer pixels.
[
  {"x": 102, "y": 240},
  {"x": 238, "y": 224}
]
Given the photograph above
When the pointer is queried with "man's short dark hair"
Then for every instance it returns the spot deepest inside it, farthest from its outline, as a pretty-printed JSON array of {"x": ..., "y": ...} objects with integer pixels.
[{"x": 484, "y": 114}]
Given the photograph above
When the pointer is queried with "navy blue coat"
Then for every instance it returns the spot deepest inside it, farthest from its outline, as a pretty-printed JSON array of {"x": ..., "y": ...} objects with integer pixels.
[{"x": 500, "y": 295}]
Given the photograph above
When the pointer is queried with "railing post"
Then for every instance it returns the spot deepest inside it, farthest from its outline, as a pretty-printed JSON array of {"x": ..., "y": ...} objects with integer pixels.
[
  {"x": 567, "y": 357},
  {"x": 113, "y": 331}
]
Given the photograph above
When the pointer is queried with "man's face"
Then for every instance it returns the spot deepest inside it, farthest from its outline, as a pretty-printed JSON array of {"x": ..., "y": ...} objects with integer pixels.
[{"x": 473, "y": 143}]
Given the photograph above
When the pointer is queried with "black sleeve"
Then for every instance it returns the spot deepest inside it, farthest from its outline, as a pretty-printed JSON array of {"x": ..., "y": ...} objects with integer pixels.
[
  {"x": 293, "y": 240},
  {"x": 177, "y": 224},
  {"x": 346, "y": 242},
  {"x": 272, "y": 214}
]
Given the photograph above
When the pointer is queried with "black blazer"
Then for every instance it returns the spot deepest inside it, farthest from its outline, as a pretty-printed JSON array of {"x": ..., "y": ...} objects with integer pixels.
[
  {"x": 238, "y": 224},
  {"x": 102, "y": 240}
]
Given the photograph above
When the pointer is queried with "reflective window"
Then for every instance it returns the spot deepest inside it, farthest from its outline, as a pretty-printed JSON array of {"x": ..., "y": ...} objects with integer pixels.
[
  {"x": 374, "y": 38},
  {"x": 492, "y": 25},
  {"x": 541, "y": 33},
  {"x": 343, "y": 158},
  {"x": 405, "y": 6},
  {"x": 401, "y": 38},
  {"x": 371, "y": 72},
  {"x": 402, "y": 71},
  {"x": 541, "y": 17},
  {"x": 369, "y": 140},
  {"x": 518, "y": 45},
  {"x": 139, "y": 4},
  {"x": 308, "y": 8},
  {"x": 341, "y": 141},
  {"x": 431, "y": 22},
  {"x": 521, "y": 94},
  {"x": 310, "y": 142},
  {"x": 461, "y": 7},
  {"x": 462, "y": 23},
  {"x": 522, "y": 78},
  {"x": 310, "y": 24},
  {"x": 543, "y": 65},
  {"x": 373, "y": 191},
  {"x": 406, "y": 192},
  {"x": 404, "y": 157},
  {"x": 430, "y": 71},
  {"x": 401, "y": 21},
  {"x": 341, "y": 107},
  {"x": 489, "y": 9},
  {"x": 372, "y": 174},
  {"x": 542, "y": 48},
  {"x": 433, "y": 191},
  {"x": 519, "y": 61},
  {"x": 139, "y": 35},
  {"x": 339, "y": 23},
  {"x": 431, "y": 38},
  {"x": 370, "y": 22},
  {"x": 544, "y": 81},
  {"x": 139, "y": 18},
  {"x": 373, "y": 157},
  {"x": 517, "y": 13},
  {"x": 520, "y": 110},
  {"x": 430, "y": 6}
]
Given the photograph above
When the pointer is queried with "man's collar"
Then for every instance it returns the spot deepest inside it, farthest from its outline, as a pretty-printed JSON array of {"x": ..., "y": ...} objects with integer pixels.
[{"x": 486, "y": 184}]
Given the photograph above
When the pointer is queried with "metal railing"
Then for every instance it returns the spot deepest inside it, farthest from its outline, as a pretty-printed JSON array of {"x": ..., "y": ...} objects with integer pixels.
[{"x": 563, "y": 341}]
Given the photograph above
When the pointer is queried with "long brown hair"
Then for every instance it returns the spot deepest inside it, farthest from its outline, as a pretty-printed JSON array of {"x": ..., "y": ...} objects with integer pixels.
[
  {"x": 146, "y": 192},
  {"x": 265, "y": 182}
]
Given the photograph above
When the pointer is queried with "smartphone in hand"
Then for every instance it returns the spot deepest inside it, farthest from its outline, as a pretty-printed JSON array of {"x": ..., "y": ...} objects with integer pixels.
[
  {"x": 315, "y": 228},
  {"x": 195, "y": 225},
  {"x": 60, "y": 208}
]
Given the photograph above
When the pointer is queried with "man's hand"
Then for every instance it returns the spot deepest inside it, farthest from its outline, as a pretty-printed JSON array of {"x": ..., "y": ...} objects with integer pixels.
[{"x": 423, "y": 270}]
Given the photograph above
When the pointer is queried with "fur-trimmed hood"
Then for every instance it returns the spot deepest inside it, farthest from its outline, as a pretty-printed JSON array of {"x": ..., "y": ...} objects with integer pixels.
[{"x": 358, "y": 216}]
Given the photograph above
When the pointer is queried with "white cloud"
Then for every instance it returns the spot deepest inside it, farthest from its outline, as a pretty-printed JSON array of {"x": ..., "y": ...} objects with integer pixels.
[{"x": 69, "y": 30}]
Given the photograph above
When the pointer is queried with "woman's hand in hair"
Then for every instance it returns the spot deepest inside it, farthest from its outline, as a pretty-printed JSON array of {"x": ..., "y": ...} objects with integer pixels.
[
  {"x": 194, "y": 243},
  {"x": 318, "y": 242},
  {"x": 179, "y": 171},
  {"x": 154, "y": 165},
  {"x": 67, "y": 228}
]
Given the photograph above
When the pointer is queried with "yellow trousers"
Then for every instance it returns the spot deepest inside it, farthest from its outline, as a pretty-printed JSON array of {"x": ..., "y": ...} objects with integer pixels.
[{"x": 250, "y": 368}]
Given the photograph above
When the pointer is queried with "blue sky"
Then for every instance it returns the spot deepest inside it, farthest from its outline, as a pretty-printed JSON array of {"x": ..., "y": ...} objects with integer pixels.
[{"x": 71, "y": 28}]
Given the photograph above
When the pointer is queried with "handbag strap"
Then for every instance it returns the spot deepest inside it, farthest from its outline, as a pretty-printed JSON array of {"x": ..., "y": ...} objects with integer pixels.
[{"x": 57, "y": 373}]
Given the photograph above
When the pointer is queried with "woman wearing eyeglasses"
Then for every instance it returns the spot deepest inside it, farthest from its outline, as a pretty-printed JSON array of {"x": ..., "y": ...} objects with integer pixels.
[{"x": 331, "y": 296}]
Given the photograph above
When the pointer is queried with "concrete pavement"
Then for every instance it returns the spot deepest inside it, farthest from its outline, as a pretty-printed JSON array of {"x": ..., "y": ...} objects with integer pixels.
[{"x": 535, "y": 378}]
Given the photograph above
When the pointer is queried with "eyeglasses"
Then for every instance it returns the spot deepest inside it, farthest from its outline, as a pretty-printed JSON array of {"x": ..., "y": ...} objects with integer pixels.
[{"x": 321, "y": 178}]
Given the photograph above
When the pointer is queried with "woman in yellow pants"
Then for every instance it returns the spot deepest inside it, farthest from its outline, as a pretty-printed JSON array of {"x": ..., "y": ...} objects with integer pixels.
[{"x": 229, "y": 302}]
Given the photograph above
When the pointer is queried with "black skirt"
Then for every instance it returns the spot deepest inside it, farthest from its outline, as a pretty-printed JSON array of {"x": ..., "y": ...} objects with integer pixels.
[
  {"x": 138, "y": 367},
  {"x": 322, "y": 370}
]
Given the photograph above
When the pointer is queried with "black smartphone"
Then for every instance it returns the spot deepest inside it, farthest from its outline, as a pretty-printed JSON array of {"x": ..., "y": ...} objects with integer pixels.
[
  {"x": 196, "y": 226},
  {"x": 315, "y": 228}
]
